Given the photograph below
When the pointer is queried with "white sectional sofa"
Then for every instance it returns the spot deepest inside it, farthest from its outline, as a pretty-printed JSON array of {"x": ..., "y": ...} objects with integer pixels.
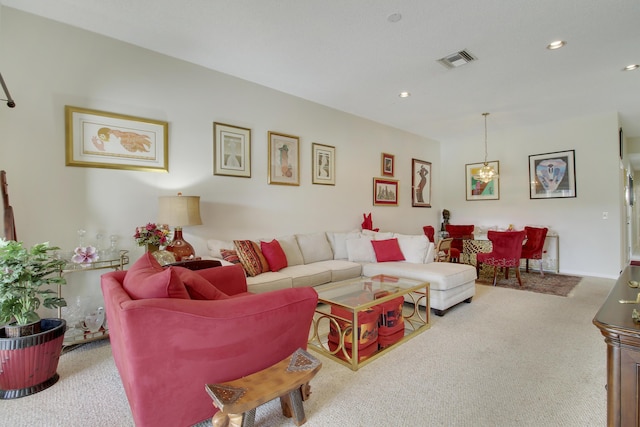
[{"x": 317, "y": 258}]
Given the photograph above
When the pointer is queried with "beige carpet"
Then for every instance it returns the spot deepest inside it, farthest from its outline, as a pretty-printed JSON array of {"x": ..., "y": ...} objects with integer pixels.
[{"x": 509, "y": 358}]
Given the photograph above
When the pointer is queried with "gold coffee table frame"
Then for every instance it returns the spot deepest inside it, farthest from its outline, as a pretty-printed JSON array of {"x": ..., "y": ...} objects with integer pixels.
[{"x": 357, "y": 295}]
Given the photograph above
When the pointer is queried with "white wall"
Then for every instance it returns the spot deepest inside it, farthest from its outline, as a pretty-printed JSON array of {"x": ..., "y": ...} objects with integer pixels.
[
  {"x": 48, "y": 65},
  {"x": 589, "y": 245}
]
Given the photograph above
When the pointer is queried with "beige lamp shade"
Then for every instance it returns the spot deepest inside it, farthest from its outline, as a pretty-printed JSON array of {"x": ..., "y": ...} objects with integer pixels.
[{"x": 179, "y": 211}]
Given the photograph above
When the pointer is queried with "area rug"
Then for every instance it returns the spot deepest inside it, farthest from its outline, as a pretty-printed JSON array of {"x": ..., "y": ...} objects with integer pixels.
[{"x": 552, "y": 284}]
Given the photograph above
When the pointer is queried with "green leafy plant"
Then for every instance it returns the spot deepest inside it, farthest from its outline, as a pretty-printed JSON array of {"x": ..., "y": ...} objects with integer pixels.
[{"x": 25, "y": 279}]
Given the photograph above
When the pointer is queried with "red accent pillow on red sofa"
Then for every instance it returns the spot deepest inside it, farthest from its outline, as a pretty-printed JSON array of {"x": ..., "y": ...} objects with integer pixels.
[
  {"x": 274, "y": 254},
  {"x": 147, "y": 279},
  {"x": 197, "y": 286},
  {"x": 387, "y": 250}
]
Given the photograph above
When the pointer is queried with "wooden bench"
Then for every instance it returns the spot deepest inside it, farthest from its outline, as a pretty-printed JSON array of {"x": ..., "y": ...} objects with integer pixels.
[{"x": 288, "y": 379}]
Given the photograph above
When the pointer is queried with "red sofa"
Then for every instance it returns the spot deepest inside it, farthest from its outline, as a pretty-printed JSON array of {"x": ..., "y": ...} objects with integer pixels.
[{"x": 167, "y": 348}]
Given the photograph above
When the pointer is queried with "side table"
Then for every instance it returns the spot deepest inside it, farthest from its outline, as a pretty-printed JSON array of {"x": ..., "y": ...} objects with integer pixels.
[{"x": 114, "y": 262}]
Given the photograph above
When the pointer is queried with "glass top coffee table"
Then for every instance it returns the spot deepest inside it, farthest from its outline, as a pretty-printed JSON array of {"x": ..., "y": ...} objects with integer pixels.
[{"x": 367, "y": 300}]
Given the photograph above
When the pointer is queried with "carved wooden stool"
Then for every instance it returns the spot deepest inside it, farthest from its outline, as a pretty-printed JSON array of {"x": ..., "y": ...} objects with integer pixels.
[{"x": 287, "y": 379}]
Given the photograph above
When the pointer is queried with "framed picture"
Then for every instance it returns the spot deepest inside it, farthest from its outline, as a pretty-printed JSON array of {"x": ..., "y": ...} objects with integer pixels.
[
  {"x": 552, "y": 175},
  {"x": 478, "y": 190},
  {"x": 387, "y": 164},
  {"x": 420, "y": 184},
  {"x": 385, "y": 192},
  {"x": 324, "y": 164},
  {"x": 284, "y": 159},
  {"x": 108, "y": 140},
  {"x": 231, "y": 150}
]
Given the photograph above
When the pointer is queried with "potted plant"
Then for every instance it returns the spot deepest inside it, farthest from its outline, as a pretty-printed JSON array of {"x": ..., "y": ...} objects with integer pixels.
[{"x": 29, "y": 346}]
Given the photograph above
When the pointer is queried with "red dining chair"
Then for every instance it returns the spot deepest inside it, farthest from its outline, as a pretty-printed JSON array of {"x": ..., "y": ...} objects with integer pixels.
[
  {"x": 458, "y": 233},
  {"x": 506, "y": 253},
  {"x": 533, "y": 247},
  {"x": 429, "y": 231}
]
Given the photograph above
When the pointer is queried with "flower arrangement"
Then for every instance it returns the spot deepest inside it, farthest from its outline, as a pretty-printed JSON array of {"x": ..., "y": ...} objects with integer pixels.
[
  {"x": 153, "y": 234},
  {"x": 84, "y": 255}
]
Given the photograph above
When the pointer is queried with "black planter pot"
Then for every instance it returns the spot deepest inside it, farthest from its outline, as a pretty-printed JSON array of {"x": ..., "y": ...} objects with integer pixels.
[{"x": 29, "y": 363}]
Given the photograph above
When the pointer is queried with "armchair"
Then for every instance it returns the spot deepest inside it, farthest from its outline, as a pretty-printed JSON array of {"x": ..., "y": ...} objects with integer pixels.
[
  {"x": 533, "y": 247},
  {"x": 458, "y": 233},
  {"x": 506, "y": 251},
  {"x": 167, "y": 348},
  {"x": 430, "y": 232}
]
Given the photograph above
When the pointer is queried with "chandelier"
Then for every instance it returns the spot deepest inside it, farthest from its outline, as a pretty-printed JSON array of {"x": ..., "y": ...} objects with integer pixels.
[{"x": 486, "y": 172}]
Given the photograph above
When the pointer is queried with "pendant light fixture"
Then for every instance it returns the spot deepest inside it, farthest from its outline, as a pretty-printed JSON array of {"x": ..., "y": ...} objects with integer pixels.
[{"x": 486, "y": 172}]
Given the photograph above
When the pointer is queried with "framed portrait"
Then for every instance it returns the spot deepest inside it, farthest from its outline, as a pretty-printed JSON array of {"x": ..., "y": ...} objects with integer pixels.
[
  {"x": 478, "y": 190},
  {"x": 387, "y": 164},
  {"x": 552, "y": 175},
  {"x": 324, "y": 164},
  {"x": 420, "y": 184},
  {"x": 385, "y": 192},
  {"x": 114, "y": 141},
  {"x": 231, "y": 150},
  {"x": 284, "y": 159}
]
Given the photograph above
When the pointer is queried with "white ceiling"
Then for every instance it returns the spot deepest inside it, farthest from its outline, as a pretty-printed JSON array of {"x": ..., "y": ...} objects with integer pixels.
[{"x": 347, "y": 55}]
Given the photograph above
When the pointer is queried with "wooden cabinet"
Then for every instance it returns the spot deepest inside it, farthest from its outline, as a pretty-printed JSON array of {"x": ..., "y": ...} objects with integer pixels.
[{"x": 622, "y": 337}]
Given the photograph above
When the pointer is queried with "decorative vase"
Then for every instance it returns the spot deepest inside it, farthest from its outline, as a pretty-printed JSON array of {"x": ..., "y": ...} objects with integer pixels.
[
  {"x": 162, "y": 256},
  {"x": 29, "y": 363}
]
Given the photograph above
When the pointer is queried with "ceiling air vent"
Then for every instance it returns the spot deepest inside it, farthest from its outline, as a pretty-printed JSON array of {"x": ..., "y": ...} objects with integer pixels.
[{"x": 457, "y": 59}]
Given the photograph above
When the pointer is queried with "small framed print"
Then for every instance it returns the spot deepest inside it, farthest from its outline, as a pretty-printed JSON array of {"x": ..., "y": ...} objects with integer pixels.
[
  {"x": 420, "y": 184},
  {"x": 387, "y": 164},
  {"x": 231, "y": 151},
  {"x": 552, "y": 175},
  {"x": 324, "y": 164},
  {"x": 478, "y": 190},
  {"x": 385, "y": 192},
  {"x": 100, "y": 139},
  {"x": 284, "y": 159}
]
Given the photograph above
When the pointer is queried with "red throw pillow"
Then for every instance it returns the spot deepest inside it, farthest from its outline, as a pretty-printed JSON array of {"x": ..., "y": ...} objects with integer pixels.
[
  {"x": 230, "y": 255},
  {"x": 274, "y": 254},
  {"x": 387, "y": 250},
  {"x": 147, "y": 279},
  {"x": 197, "y": 286}
]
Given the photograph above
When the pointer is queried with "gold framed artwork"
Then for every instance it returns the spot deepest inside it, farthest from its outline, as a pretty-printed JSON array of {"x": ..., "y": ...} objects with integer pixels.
[
  {"x": 478, "y": 190},
  {"x": 284, "y": 159},
  {"x": 388, "y": 161},
  {"x": 385, "y": 192},
  {"x": 420, "y": 184},
  {"x": 231, "y": 150},
  {"x": 323, "y": 159},
  {"x": 101, "y": 139}
]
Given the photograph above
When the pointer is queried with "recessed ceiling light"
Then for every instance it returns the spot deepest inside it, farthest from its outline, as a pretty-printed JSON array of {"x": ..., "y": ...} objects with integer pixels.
[
  {"x": 404, "y": 94},
  {"x": 394, "y": 17},
  {"x": 631, "y": 67},
  {"x": 556, "y": 44}
]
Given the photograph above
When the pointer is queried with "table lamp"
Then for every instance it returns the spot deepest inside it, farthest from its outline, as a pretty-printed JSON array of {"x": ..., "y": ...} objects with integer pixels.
[{"x": 179, "y": 211}]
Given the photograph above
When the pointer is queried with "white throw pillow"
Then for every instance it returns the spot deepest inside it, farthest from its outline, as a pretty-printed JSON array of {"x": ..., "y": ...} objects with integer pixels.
[
  {"x": 377, "y": 235},
  {"x": 314, "y": 247},
  {"x": 413, "y": 247},
  {"x": 291, "y": 250},
  {"x": 338, "y": 243},
  {"x": 214, "y": 247},
  {"x": 360, "y": 250}
]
